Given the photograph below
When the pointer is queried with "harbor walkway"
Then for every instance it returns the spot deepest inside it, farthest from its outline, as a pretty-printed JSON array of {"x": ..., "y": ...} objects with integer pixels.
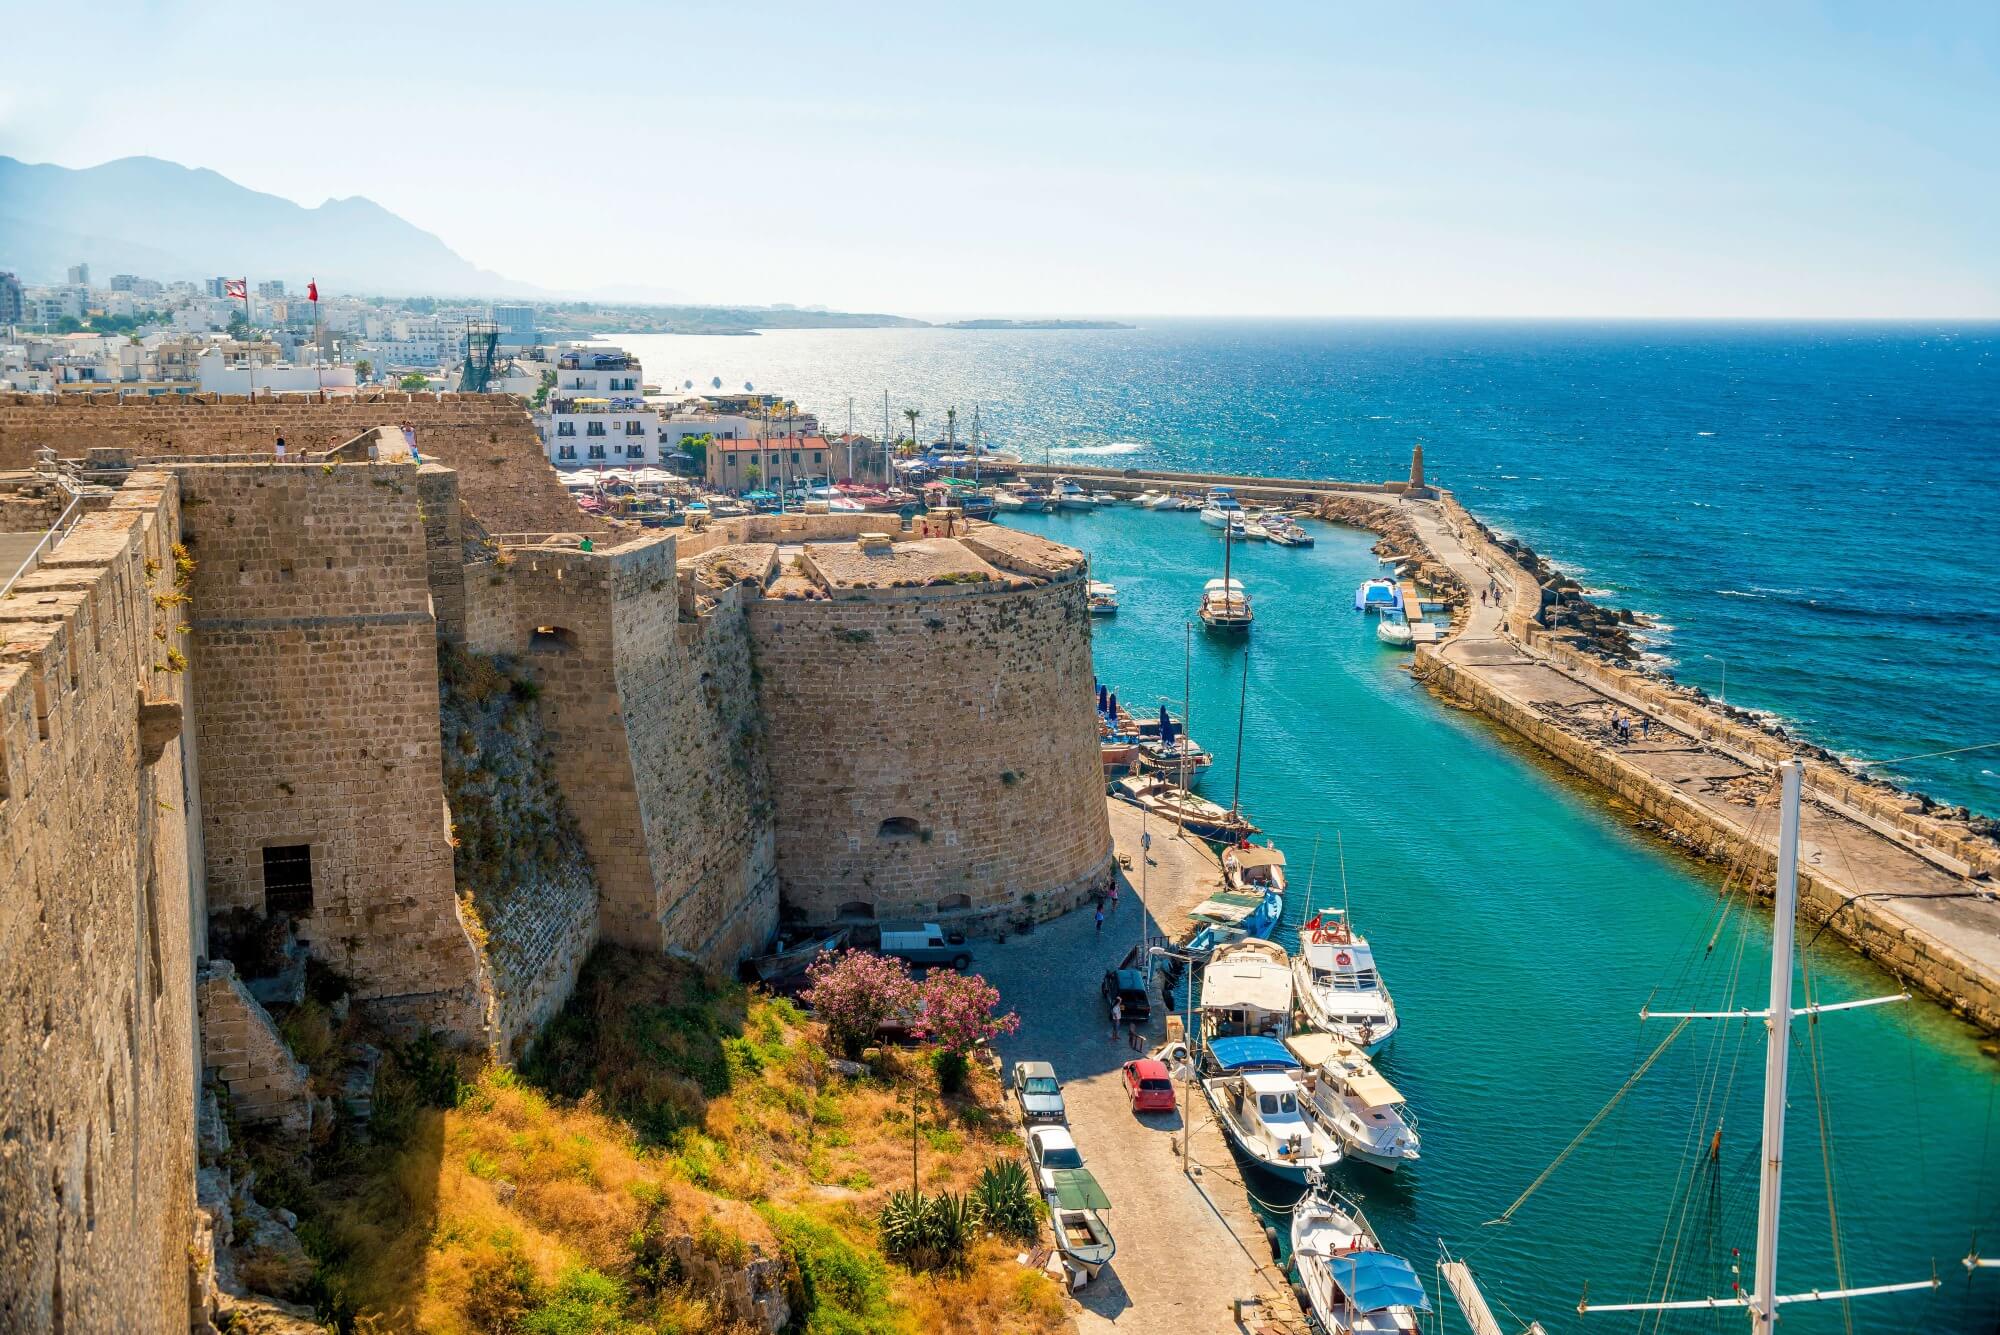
[{"x": 1189, "y": 1244}]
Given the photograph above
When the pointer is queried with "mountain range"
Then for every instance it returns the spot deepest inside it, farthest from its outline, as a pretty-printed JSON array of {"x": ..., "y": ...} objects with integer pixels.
[{"x": 162, "y": 220}]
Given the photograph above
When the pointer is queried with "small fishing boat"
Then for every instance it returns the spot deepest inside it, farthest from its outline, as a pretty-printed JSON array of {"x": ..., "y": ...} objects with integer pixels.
[
  {"x": 1257, "y": 1098},
  {"x": 1189, "y": 504},
  {"x": 1254, "y": 530},
  {"x": 1394, "y": 630},
  {"x": 1339, "y": 990},
  {"x": 1380, "y": 594},
  {"x": 1145, "y": 500},
  {"x": 1219, "y": 507},
  {"x": 1103, "y": 599},
  {"x": 976, "y": 504},
  {"x": 1006, "y": 501},
  {"x": 1353, "y": 1101},
  {"x": 1245, "y": 912},
  {"x": 1252, "y": 870},
  {"x": 1166, "y": 500},
  {"x": 1352, "y": 1286},
  {"x": 1193, "y": 813},
  {"x": 1104, "y": 497},
  {"x": 1246, "y": 991}
]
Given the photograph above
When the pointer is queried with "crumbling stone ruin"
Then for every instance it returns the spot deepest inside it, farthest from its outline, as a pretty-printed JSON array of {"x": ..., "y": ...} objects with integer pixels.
[{"x": 395, "y": 723}]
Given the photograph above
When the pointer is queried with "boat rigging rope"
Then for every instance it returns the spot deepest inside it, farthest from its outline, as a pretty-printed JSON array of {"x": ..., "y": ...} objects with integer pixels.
[
  {"x": 1507, "y": 1214},
  {"x": 1826, "y": 1149}
]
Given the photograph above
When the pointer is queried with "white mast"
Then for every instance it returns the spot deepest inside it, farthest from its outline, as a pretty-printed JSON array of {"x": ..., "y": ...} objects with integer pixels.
[
  {"x": 1777, "y": 1051},
  {"x": 1765, "y": 1300}
]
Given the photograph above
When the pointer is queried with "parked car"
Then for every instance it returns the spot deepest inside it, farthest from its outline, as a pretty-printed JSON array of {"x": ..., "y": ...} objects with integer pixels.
[
  {"x": 1148, "y": 1086},
  {"x": 1050, "y": 1148},
  {"x": 1035, "y": 1084},
  {"x": 1128, "y": 986},
  {"x": 929, "y": 945}
]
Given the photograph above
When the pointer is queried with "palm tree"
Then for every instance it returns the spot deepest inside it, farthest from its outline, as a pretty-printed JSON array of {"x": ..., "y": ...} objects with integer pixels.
[
  {"x": 913, "y": 414},
  {"x": 951, "y": 424}
]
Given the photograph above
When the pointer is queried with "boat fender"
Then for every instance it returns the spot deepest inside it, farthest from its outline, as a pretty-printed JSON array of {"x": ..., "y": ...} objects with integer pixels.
[
  {"x": 1299, "y": 1295},
  {"x": 1271, "y": 1237}
]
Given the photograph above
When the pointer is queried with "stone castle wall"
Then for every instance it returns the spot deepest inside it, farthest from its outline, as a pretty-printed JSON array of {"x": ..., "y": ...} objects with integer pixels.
[
  {"x": 652, "y": 724},
  {"x": 316, "y": 716},
  {"x": 100, "y": 920},
  {"x": 488, "y": 439},
  {"x": 933, "y": 755}
]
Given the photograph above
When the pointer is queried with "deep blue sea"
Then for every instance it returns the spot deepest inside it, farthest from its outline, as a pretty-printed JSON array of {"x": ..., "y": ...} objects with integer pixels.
[{"x": 1811, "y": 511}]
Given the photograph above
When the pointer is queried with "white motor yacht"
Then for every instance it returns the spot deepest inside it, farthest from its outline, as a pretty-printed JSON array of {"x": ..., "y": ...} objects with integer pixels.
[
  {"x": 1145, "y": 500},
  {"x": 1394, "y": 631},
  {"x": 1339, "y": 990},
  {"x": 1067, "y": 495},
  {"x": 1257, "y": 1097},
  {"x": 1353, "y": 1101},
  {"x": 1220, "y": 507}
]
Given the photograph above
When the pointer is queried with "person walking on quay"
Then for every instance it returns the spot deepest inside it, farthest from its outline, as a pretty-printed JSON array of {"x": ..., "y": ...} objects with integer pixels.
[
  {"x": 1100, "y": 919},
  {"x": 1132, "y": 1036},
  {"x": 1117, "y": 1016},
  {"x": 1114, "y": 896}
]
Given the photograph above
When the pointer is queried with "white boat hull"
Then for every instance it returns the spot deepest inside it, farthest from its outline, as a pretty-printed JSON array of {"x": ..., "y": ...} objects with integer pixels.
[{"x": 1288, "y": 1167}]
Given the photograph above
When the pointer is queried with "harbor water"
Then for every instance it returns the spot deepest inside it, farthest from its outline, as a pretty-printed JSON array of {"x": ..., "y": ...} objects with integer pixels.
[
  {"x": 1806, "y": 509},
  {"x": 1521, "y": 925}
]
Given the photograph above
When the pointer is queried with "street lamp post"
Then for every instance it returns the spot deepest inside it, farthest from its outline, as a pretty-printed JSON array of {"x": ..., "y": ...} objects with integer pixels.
[
  {"x": 1725, "y": 676},
  {"x": 1187, "y": 1126}
]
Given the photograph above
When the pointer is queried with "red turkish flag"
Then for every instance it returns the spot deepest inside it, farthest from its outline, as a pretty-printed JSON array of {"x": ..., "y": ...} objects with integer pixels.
[
  {"x": 237, "y": 288},
  {"x": 312, "y": 290}
]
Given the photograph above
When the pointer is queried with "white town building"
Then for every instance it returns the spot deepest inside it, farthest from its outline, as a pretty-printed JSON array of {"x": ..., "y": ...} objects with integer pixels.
[{"x": 597, "y": 415}]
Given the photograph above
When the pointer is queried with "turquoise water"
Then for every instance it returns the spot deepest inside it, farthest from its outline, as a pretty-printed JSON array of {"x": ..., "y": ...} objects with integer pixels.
[
  {"x": 1810, "y": 508},
  {"x": 1521, "y": 927}
]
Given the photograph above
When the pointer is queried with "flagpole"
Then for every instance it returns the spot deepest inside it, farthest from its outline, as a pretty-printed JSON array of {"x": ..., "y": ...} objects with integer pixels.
[{"x": 319, "y": 352}]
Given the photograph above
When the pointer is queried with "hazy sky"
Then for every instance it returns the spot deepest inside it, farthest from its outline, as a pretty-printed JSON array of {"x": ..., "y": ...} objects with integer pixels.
[{"x": 1506, "y": 158}]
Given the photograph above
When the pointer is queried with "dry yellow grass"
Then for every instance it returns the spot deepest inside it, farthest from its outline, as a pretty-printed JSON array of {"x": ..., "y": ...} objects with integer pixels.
[{"x": 664, "y": 1104}]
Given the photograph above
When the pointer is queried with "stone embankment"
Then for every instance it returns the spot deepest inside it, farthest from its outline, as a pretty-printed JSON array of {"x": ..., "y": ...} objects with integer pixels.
[{"x": 1903, "y": 879}]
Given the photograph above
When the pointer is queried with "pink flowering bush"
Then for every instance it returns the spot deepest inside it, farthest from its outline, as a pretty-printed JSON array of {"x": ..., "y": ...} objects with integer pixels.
[
  {"x": 853, "y": 992},
  {"x": 957, "y": 1015}
]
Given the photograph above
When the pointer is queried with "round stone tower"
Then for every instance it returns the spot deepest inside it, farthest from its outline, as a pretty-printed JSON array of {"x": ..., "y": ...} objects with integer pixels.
[{"x": 927, "y": 706}]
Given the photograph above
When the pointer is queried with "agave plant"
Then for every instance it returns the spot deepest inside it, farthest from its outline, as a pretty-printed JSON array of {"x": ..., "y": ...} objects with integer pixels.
[
  {"x": 1006, "y": 1206},
  {"x": 953, "y": 1224},
  {"x": 905, "y": 1225}
]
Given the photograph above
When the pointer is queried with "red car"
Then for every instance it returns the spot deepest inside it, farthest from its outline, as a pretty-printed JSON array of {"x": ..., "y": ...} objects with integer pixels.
[{"x": 1148, "y": 1086}]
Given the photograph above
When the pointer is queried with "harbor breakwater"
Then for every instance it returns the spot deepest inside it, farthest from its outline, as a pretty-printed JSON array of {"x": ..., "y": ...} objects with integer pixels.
[{"x": 1903, "y": 880}]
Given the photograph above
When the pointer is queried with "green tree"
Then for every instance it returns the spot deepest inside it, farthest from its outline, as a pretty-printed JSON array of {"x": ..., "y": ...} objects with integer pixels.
[
  {"x": 696, "y": 448},
  {"x": 913, "y": 414},
  {"x": 753, "y": 475},
  {"x": 415, "y": 380},
  {"x": 542, "y": 393},
  {"x": 363, "y": 368}
]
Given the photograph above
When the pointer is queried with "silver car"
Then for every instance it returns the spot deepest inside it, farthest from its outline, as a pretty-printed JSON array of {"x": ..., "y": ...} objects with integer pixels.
[{"x": 1035, "y": 1084}]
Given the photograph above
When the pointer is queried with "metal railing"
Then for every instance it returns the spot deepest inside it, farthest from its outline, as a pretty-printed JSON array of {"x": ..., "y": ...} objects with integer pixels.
[{"x": 57, "y": 532}]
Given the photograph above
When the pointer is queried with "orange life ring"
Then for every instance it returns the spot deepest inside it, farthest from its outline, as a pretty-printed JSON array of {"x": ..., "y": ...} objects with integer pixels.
[{"x": 1343, "y": 959}]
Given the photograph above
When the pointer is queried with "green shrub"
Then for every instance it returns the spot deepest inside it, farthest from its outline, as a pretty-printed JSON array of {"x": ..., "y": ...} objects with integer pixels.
[
  {"x": 929, "y": 1232},
  {"x": 584, "y": 1301},
  {"x": 839, "y": 1287}
]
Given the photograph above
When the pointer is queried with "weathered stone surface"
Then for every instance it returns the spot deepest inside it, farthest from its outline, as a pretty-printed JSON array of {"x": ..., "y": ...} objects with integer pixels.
[
  {"x": 98, "y": 913},
  {"x": 241, "y": 1044}
]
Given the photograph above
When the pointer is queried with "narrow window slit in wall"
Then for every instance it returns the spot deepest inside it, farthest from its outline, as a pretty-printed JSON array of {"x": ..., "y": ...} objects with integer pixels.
[{"x": 288, "y": 885}]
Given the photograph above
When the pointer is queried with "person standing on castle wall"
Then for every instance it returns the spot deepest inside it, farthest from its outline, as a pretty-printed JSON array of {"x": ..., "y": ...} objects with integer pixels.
[
  {"x": 279, "y": 449},
  {"x": 410, "y": 439}
]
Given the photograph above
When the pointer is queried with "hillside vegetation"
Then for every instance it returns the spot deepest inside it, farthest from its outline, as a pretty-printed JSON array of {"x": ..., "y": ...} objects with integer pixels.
[{"x": 667, "y": 1135}]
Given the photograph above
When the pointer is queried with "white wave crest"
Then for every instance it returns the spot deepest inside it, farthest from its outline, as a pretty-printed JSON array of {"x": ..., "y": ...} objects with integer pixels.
[{"x": 1116, "y": 447}]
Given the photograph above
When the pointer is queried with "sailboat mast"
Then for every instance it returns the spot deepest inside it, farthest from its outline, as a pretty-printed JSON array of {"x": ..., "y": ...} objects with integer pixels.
[
  {"x": 1777, "y": 1052},
  {"x": 1242, "y": 705},
  {"x": 1187, "y": 696}
]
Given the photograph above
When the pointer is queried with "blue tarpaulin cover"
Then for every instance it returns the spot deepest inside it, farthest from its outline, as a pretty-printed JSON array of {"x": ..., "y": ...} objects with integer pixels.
[
  {"x": 1250, "y": 1050},
  {"x": 1375, "y": 1280}
]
